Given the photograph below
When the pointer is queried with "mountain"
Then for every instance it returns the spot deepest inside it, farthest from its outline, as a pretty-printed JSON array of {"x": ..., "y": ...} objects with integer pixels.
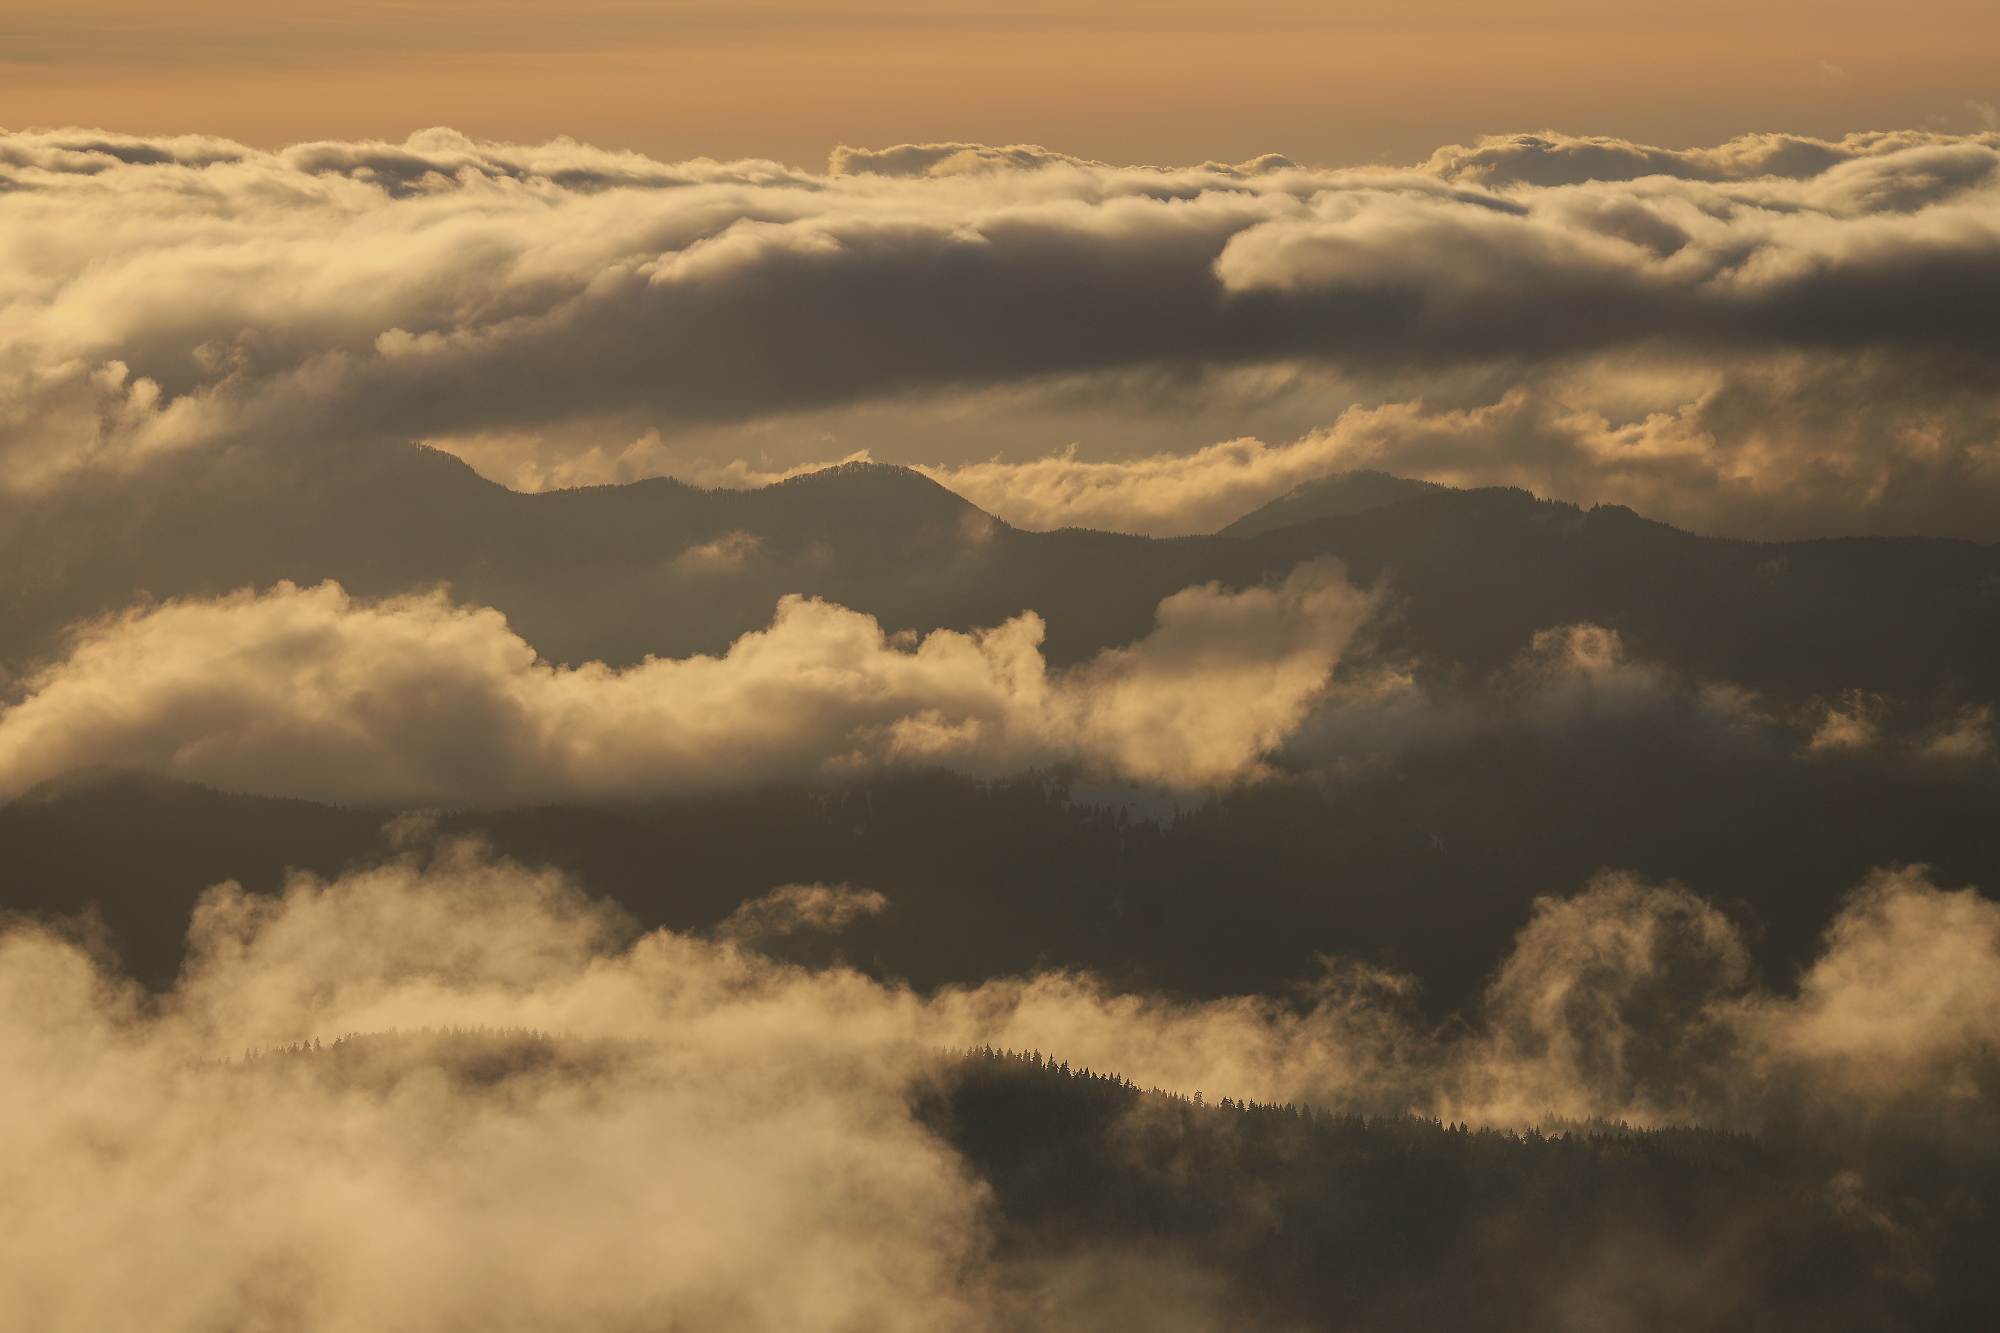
[
  {"x": 135, "y": 850},
  {"x": 1341, "y": 495},
  {"x": 614, "y": 573},
  {"x": 1238, "y": 893},
  {"x": 1466, "y": 814},
  {"x": 1298, "y": 1218},
  {"x": 1476, "y": 573},
  {"x": 608, "y": 573}
]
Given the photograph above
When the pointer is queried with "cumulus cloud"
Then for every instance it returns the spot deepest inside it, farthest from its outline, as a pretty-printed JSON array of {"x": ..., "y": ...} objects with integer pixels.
[
  {"x": 557, "y": 1122},
  {"x": 820, "y": 908},
  {"x": 159, "y": 294},
  {"x": 309, "y": 692},
  {"x": 945, "y": 159},
  {"x": 1968, "y": 735},
  {"x": 957, "y": 159},
  {"x": 1581, "y": 680}
]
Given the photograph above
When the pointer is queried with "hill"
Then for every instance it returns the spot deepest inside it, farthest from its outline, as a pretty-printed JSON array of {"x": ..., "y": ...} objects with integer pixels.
[
  {"x": 1238, "y": 894},
  {"x": 1307, "y": 1219}
]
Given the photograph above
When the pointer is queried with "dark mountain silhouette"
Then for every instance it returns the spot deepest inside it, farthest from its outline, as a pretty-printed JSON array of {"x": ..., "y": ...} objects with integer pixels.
[
  {"x": 608, "y": 573},
  {"x": 1355, "y": 854},
  {"x": 136, "y": 850},
  {"x": 1429, "y": 865},
  {"x": 614, "y": 573},
  {"x": 1341, "y": 495},
  {"x": 1477, "y": 573}
]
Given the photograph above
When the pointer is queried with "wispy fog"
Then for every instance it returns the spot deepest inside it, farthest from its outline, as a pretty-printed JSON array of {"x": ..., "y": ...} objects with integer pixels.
[{"x": 703, "y": 1137}]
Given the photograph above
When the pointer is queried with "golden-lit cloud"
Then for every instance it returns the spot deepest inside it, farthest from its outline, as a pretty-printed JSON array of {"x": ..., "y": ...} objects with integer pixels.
[
  {"x": 546, "y": 1120},
  {"x": 1780, "y": 336},
  {"x": 414, "y": 700},
  {"x": 1783, "y": 448},
  {"x": 1893, "y": 1022}
]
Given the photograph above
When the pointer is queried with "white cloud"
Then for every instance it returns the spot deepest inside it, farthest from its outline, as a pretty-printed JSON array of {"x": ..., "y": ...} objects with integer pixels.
[
  {"x": 718, "y": 1160},
  {"x": 308, "y": 692}
]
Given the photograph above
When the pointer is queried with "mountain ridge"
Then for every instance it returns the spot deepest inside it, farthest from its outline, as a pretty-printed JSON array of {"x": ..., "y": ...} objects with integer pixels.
[
  {"x": 663, "y": 568},
  {"x": 1336, "y": 495}
]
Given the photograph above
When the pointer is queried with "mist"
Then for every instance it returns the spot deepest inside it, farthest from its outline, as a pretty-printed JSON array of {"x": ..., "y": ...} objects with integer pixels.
[{"x": 560, "y": 1120}]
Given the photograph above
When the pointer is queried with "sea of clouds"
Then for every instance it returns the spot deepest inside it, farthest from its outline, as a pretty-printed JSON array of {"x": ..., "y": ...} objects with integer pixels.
[{"x": 1778, "y": 336}]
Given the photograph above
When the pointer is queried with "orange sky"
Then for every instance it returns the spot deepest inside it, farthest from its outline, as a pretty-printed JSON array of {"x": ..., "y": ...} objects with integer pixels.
[{"x": 1164, "y": 81}]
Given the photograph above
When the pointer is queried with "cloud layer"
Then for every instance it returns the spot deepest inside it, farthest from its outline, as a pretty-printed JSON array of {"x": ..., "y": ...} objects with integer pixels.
[
  {"x": 308, "y": 692},
  {"x": 718, "y": 1140},
  {"x": 1712, "y": 310},
  {"x": 1785, "y": 449}
]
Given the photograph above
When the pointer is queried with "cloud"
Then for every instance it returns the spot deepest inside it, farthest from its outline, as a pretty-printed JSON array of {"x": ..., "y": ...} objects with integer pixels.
[
  {"x": 682, "y": 1154},
  {"x": 1968, "y": 735},
  {"x": 1852, "y": 723},
  {"x": 1551, "y": 158},
  {"x": 945, "y": 159},
  {"x": 958, "y": 159},
  {"x": 414, "y": 700},
  {"x": 1636, "y": 1001},
  {"x": 1164, "y": 495},
  {"x": 1780, "y": 448},
  {"x": 821, "y": 908},
  {"x": 1580, "y": 681},
  {"x": 556, "y": 1121},
  {"x": 1614, "y": 1003},
  {"x": 1899, "y": 1011},
  {"x": 168, "y": 293},
  {"x": 1569, "y": 682}
]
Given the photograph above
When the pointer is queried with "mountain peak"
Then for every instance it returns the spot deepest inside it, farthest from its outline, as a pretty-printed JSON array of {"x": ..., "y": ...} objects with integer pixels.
[
  {"x": 1337, "y": 495},
  {"x": 862, "y": 473}
]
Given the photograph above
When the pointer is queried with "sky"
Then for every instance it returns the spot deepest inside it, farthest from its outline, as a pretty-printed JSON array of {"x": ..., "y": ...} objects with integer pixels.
[{"x": 1165, "y": 81}]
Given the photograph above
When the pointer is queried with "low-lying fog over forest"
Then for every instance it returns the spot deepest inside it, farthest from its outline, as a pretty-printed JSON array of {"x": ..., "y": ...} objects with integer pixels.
[{"x": 974, "y": 739}]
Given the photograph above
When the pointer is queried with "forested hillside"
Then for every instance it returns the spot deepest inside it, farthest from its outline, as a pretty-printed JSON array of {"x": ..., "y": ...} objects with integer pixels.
[
  {"x": 1236, "y": 893},
  {"x": 1310, "y": 1218}
]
